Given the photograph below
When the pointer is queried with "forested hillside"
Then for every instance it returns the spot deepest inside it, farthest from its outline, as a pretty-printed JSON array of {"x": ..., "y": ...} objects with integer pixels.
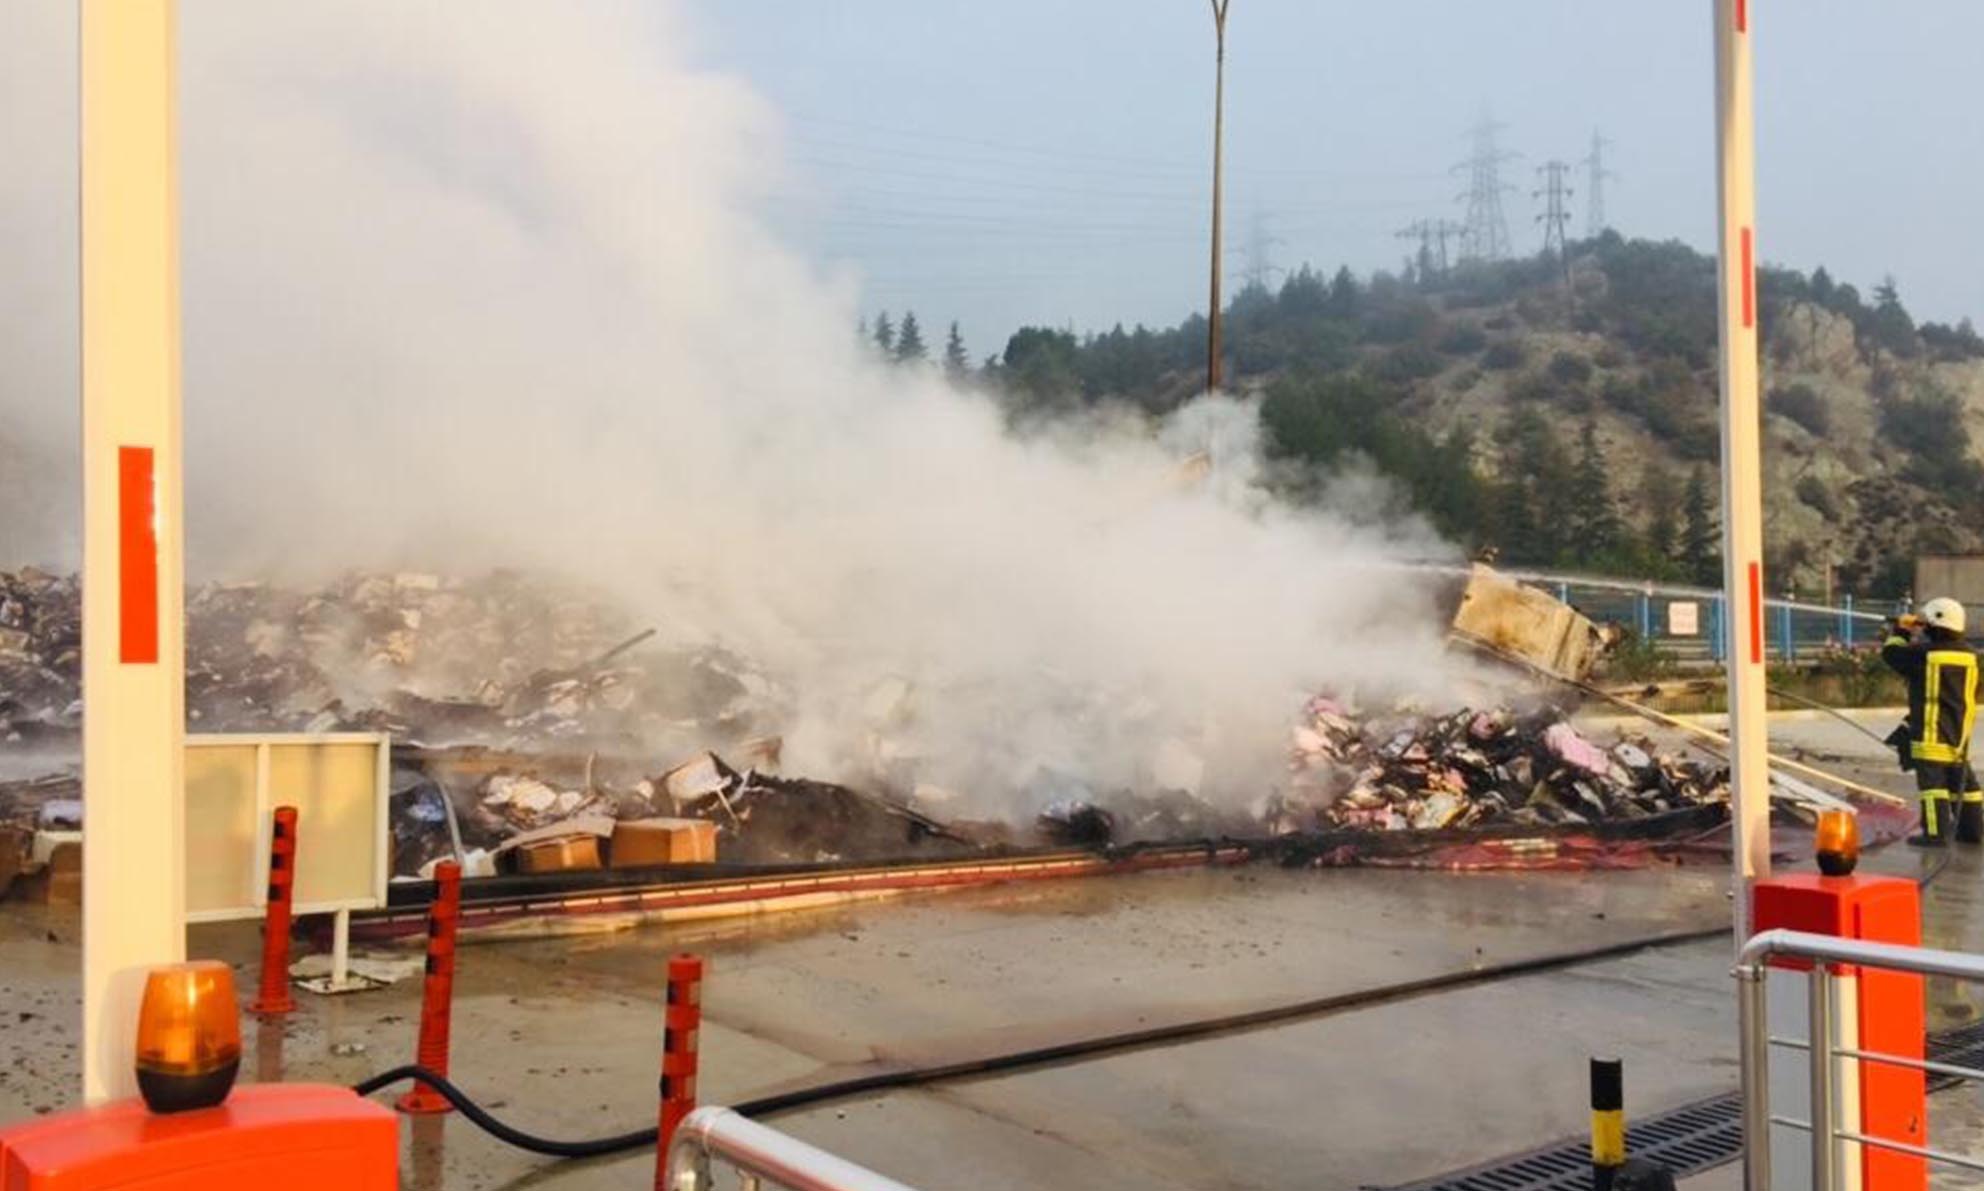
[{"x": 1567, "y": 416}]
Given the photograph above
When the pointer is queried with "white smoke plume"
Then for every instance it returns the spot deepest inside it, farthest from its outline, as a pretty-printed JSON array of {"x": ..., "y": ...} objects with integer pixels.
[{"x": 479, "y": 284}]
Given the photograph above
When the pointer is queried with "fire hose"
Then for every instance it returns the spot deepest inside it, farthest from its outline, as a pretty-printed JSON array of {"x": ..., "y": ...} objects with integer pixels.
[
  {"x": 1080, "y": 1049},
  {"x": 1073, "y": 1050},
  {"x": 1709, "y": 736}
]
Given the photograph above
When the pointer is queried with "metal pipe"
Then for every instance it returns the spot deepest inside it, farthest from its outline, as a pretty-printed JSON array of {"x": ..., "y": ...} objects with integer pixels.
[
  {"x": 1892, "y": 1060},
  {"x": 1752, "y": 1015},
  {"x": 1902, "y": 1147},
  {"x": 758, "y": 1151},
  {"x": 1824, "y": 1113},
  {"x": 1927, "y": 961}
]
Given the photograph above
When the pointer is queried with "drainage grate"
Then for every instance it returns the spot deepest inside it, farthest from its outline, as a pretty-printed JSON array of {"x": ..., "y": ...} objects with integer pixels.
[{"x": 1686, "y": 1140}]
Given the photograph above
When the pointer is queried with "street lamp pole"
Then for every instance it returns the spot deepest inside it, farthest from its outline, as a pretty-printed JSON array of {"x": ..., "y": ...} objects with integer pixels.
[{"x": 1218, "y": 137}]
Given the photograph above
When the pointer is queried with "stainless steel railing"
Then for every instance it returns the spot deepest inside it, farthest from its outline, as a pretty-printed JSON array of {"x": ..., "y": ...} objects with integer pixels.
[
  {"x": 1752, "y": 971},
  {"x": 760, "y": 1155}
]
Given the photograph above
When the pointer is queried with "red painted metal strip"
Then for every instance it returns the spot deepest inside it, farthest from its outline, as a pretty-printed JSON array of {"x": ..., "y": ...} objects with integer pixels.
[
  {"x": 1742, "y": 16},
  {"x": 137, "y": 557},
  {"x": 1749, "y": 280},
  {"x": 1756, "y": 615},
  {"x": 935, "y": 876}
]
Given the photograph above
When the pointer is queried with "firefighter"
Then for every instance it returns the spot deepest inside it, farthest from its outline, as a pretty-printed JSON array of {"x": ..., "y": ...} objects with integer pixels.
[{"x": 1929, "y": 653}]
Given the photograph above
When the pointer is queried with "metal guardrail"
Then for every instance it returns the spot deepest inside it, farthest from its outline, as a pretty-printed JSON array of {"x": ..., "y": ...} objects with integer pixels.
[
  {"x": 1827, "y": 1133},
  {"x": 760, "y": 1155}
]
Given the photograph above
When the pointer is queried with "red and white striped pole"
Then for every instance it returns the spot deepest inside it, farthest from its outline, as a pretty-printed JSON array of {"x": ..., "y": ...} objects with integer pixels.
[
  {"x": 273, "y": 997},
  {"x": 1742, "y": 460},
  {"x": 437, "y": 994},
  {"x": 134, "y": 662},
  {"x": 681, "y": 1028}
]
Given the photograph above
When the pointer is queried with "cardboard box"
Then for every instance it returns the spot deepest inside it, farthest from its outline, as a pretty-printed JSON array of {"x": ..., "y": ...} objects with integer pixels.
[
  {"x": 57, "y": 883},
  {"x": 570, "y": 854},
  {"x": 13, "y": 856},
  {"x": 644, "y": 843}
]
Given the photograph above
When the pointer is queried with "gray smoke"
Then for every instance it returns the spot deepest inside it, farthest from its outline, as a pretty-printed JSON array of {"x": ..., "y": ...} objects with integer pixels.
[{"x": 469, "y": 285}]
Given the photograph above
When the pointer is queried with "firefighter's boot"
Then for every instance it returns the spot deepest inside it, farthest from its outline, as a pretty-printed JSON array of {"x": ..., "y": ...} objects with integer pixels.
[{"x": 1970, "y": 818}]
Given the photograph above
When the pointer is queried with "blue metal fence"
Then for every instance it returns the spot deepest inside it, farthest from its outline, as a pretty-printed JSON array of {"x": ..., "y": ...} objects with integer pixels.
[{"x": 1660, "y": 614}]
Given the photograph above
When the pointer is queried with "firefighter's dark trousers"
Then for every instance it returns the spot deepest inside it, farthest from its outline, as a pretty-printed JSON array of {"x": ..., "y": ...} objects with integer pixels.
[{"x": 1946, "y": 789}]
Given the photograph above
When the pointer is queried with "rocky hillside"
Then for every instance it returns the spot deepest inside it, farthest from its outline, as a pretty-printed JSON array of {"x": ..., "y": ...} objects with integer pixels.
[{"x": 1567, "y": 416}]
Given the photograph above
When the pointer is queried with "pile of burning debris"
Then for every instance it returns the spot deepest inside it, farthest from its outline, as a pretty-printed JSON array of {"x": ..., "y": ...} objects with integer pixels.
[
  {"x": 506, "y": 695},
  {"x": 40, "y": 656},
  {"x": 503, "y": 659},
  {"x": 496, "y": 804},
  {"x": 1413, "y": 771}
]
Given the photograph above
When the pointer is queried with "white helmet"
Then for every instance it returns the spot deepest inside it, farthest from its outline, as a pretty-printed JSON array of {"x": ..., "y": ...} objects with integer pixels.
[{"x": 1944, "y": 613}]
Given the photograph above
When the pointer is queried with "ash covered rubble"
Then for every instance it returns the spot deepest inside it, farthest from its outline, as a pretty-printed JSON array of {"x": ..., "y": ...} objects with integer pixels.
[
  {"x": 1410, "y": 770},
  {"x": 505, "y": 805},
  {"x": 530, "y": 715},
  {"x": 40, "y": 657},
  {"x": 505, "y": 660}
]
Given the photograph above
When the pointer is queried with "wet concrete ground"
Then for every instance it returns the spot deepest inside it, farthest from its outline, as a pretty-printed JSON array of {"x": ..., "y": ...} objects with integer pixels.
[{"x": 562, "y": 1037}]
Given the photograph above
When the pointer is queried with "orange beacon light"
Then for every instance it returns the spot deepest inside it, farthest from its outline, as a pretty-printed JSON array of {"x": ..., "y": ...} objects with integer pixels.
[
  {"x": 1838, "y": 842},
  {"x": 189, "y": 1036}
]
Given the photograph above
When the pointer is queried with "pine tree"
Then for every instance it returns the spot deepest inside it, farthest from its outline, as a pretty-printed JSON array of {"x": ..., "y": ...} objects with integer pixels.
[
  {"x": 957, "y": 365},
  {"x": 1700, "y": 559},
  {"x": 1663, "y": 526},
  {"x": 909, "y": 340},
  {"x": 885, "y": 335},
  {"x": 1595, "y": 527},
  {"x": 1543, "y": 485},
  {"x": 1515, "y": 524},
  {"x": 1531, "y": 502},
  {"x": 1343, "y": 300}
]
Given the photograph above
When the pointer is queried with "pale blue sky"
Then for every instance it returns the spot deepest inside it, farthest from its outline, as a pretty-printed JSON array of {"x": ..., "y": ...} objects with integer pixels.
[{"x": 1041, "y": 161}]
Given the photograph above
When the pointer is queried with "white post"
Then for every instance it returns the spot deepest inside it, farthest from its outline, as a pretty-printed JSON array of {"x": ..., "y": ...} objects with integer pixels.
[
  {"x": 341, "y": 950},
  {"x": 1742, "y": 493},
  {"x": 133, "y": 641}
]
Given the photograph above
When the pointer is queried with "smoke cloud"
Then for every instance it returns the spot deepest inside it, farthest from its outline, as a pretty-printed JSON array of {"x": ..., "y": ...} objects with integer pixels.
[{"x": 474, "y": 285}]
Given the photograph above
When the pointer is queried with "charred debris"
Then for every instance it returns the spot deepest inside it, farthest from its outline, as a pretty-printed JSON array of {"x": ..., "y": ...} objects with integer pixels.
[{"x": 537, "y": 729}]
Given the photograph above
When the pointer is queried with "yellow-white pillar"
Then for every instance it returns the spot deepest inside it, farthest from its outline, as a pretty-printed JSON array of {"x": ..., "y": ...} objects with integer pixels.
[
  {"x": 1742, "y": 466},
  {"x": 133, "y": 640}
]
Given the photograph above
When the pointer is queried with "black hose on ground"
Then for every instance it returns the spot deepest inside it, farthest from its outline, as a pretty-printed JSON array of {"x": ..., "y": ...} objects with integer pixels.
[
  {"x": 507, "y": 1133},
  {"x": 1059, "y": 1052}
]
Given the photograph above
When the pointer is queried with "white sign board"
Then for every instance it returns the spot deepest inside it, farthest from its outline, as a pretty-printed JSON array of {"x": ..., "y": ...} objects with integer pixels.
[
  {"x": 338, "y": 783},
  {"x": 1684, "y": 619}
]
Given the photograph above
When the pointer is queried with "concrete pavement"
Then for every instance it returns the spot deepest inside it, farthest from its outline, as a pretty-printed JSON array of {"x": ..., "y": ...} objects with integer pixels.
[{"x": 562, "y": 1037}]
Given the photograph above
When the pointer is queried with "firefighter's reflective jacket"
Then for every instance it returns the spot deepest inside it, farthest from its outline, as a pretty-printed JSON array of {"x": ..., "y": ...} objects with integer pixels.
[{"x": 1942, "y": 694}]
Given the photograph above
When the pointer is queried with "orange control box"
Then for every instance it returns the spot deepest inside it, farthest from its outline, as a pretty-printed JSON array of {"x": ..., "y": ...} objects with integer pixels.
[
  {"x": 1891, "y": 1015},
  {"x": 301, "y": 1137}
]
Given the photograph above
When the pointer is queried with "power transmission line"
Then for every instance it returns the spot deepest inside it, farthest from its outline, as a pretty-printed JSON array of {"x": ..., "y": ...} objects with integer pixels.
[
  {"x": 1432, "y": 234},
  {"x": 1260, "y": 243},
  {"x": 1486, "y": 234},
  {"x": 1594, "y": 188},
  {"x": 1556, "y": 216}
]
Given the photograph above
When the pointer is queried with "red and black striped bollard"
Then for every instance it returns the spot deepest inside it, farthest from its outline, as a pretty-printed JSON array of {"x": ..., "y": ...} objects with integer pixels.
[
  {"x": 437, "y": 996},
  {"x": 682, "y": 1023},
  {"x": 272, "y": 997}
]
